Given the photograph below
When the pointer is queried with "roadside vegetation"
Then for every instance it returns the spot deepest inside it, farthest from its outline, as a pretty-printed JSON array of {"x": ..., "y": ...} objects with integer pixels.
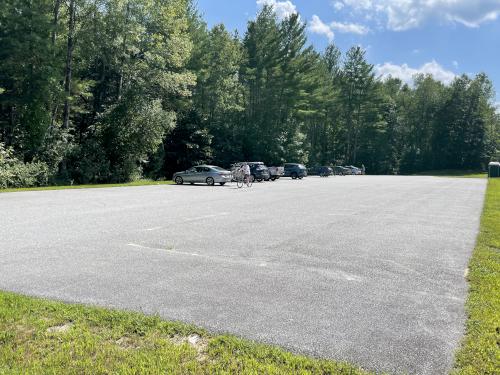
[
  {"x": 38, "y": 336},
  {"x": 111, "y": 91},
  {"x": 142, "y": 182},
  {"x": 454, "y": 173},
  {"x": 480, "y": 349}
]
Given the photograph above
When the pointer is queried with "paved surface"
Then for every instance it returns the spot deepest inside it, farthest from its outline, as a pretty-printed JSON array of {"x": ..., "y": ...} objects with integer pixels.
[{"x": 358, "y": 268}]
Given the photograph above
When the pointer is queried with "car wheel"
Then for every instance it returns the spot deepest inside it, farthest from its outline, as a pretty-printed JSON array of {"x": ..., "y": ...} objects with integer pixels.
[
  {"x": 294, "y": 176},
  {"x": 179, "y": 180},
  {"x": 266, "y": 179},
  {"x": 210, "y": 181},
  {"x": 222, "y": 183},
  {"x": 192, "y": 183},
  {"x": 259, "y": 179},
  {"x": 301, "y": 177},
  {"x": 273, "y": 178}
]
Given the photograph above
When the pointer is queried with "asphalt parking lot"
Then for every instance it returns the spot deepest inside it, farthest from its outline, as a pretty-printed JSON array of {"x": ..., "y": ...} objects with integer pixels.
[{"x": 365, "y": 269}]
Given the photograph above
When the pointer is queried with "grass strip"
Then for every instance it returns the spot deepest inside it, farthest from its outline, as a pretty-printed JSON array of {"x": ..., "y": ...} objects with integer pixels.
[
  {"x": 479, "y": 352},
  {"x": 45, "y": 337},
  {"x": 90, "y": 186},
  {"x": 454, "y": 173}
]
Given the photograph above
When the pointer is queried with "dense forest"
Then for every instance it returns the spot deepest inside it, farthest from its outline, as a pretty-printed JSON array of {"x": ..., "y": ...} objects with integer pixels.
[{"x": 114, "y": 90}]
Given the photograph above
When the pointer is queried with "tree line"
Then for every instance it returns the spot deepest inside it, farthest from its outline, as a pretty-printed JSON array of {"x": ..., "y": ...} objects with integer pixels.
[{"x": 113, "y": 90}]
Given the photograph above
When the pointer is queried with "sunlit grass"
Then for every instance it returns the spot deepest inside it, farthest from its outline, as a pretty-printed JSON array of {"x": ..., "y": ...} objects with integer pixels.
[
  {"x": 44, "y": 337},
  {"x": 89, "y": 186},
  {"x": 454, "y": 173},
  {"x": 480, "y": 349}
]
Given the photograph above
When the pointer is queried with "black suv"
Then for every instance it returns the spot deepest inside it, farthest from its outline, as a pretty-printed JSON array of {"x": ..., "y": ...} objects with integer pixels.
[
  {"x": 295, "y": 170},
  {"x": 259, "y": 171},
  {"x": 322, "y": 171}
]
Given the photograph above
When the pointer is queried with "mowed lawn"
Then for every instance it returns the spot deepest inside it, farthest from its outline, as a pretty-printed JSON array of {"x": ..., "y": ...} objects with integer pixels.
[
  {"x": 480, "y": 350},
  {"x": 90, "y": 186},
  {"x": 39, "y": 336}
]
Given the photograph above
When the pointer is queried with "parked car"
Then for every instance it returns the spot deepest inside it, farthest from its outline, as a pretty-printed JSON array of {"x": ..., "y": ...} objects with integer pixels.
[
  {"x": 294, "y": 170},
  {"x": 276, "y": 172},
  {"x": 207, "y": 174},
  {"x": 341, "y": 171},
  {"x": 322, "y": 171},
  {"x": 259, "y": 171},
  {"x": 354, "y": 170}
]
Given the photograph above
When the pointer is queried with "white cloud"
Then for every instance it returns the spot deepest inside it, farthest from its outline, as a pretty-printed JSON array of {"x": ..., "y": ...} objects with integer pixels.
[
  {"x": 406, "y": 73},
  {"x": 338, "y": 5},
  {"x": 317, "y": 26},
  {"x": 407, "y": 14},
  {"x": 455, "y": 64},
  {"x": 349, "y": 28},
  {"x": 283, "y": 9}
]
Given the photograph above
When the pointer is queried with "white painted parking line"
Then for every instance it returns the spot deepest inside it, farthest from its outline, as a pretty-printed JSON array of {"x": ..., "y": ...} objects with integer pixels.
[
  {"x": 166, "y": 250},
  {"x": 205, "y": 217},
  {"x": 153, "y": 229}
]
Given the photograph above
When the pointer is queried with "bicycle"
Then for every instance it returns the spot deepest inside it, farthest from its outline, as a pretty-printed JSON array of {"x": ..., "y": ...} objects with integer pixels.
[{"x": 241, "y": 180}]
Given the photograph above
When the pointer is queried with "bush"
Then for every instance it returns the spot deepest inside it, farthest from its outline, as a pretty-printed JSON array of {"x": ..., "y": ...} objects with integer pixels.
[
  {"x": 132, "y": 131},
  {"x": 15, "y": 174},
  {"x": 88, "y": 164}
]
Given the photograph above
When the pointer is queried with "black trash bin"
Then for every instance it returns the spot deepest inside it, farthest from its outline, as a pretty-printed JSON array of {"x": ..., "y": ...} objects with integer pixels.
[{"x": 494, "y": 169}]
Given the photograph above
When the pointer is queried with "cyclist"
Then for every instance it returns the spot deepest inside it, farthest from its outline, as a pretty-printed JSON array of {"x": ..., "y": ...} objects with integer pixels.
[{"x": 245, "y": 169}]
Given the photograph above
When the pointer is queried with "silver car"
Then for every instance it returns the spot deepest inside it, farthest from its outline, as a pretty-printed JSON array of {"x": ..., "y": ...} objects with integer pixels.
[{"x": 206, "y": 174}]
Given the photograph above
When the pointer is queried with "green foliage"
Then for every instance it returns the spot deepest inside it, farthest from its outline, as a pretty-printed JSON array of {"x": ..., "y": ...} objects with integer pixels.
[
  {"x": 95, "y": 97},
  {"x": 14, "y": 173},
  {"x": 189, "y": 144},
  {"x": 131, "y": 131}
]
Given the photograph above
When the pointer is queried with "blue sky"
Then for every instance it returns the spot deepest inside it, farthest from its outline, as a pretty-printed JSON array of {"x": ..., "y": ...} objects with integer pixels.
[{"x": 402, "y": 37}]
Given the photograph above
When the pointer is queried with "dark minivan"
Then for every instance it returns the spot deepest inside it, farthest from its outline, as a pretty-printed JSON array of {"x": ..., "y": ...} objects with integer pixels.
[{"x": 295, "y": 170}]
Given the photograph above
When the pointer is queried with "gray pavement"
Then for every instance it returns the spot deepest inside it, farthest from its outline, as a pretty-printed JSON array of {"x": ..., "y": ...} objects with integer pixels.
[{"x": 365, "y": 269}]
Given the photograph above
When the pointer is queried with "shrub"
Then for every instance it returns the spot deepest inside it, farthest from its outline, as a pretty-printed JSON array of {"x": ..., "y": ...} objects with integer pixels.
[{"x": 14, "y": 173}]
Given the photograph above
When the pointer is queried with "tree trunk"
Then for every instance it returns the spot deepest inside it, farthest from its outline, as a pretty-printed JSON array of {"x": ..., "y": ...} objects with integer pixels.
[
  {"x": 69, "y": 58},
  {"x": 55, "y": 20},
  {"x": 124, "y": 47}
]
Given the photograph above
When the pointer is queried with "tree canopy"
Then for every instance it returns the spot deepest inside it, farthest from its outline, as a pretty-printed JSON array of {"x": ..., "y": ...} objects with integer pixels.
[{"x": 111, "y": 90}]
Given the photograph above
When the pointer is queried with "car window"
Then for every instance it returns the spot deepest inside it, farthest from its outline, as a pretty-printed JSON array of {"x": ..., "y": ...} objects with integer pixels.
[
  {"x": 219, "y": 169},
  {"x": 199, "y": 169}
]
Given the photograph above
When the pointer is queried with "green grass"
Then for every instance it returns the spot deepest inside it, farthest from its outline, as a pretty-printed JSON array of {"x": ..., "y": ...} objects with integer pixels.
[
  {"x": 44, "y": 337},
  {"x": 480, "y": 349},
  {"x": 92, "y": 186},
  {"x": 454, "y": 173}
]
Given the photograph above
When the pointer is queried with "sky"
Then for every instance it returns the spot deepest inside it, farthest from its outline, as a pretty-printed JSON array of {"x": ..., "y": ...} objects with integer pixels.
[{"x": 444, "y": 38}]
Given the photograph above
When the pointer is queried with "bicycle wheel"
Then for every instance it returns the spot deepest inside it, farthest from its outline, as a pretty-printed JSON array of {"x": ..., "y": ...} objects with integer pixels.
[
  {"x": 250, "y": 181},
  {"x": 239, "y": 182}
]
